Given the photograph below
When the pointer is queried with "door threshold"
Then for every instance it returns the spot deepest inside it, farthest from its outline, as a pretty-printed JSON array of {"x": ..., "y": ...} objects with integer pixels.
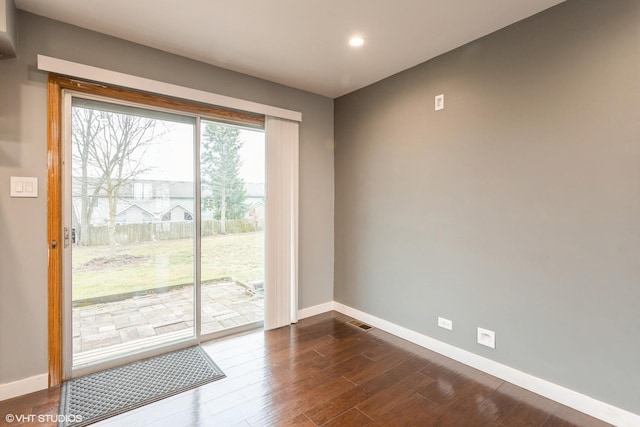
[{"x": 101, "y": 357}]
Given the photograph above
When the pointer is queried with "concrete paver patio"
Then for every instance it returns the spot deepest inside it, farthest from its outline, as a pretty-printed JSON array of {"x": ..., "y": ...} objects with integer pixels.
[{"x": 224, "y": 305}]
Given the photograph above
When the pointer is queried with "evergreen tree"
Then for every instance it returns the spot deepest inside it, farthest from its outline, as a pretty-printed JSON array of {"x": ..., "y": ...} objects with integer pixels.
[{"x": 220, "y": 170}]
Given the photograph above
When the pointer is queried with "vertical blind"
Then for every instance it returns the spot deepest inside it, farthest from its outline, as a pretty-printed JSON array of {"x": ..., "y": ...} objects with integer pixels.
[{"x": 281, "y": 275}]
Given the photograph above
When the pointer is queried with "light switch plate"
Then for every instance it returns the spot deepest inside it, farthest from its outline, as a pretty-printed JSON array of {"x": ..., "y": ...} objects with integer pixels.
[
  {"x": 439, "y": 102},
  {"x": 22, "y": 186}
]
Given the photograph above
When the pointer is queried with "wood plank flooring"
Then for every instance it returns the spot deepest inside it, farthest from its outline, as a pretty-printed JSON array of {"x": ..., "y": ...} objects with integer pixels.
[{"x": 323, "y": 372}]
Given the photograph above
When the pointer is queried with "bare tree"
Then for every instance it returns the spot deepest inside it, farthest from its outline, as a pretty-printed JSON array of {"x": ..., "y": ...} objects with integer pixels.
[
  {"x": 110, "y": 152},
  {"x": 85, "y": 126}
]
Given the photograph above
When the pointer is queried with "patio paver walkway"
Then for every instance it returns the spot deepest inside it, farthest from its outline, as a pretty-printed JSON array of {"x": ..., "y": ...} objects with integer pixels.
[{"x": 224, "y": 305}]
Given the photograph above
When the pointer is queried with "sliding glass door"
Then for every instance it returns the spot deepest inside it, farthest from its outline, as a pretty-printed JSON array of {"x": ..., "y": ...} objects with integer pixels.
[
  {"x": 232, "y": 176},
  {"x": 163, "y": 227},
  {"x": 131, "y": 229}
]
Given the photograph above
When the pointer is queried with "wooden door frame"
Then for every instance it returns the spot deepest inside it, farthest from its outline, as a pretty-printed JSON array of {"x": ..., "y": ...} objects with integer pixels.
[
  {"x": 55, "y": 86},
  {"x": 54, "y": 227}
]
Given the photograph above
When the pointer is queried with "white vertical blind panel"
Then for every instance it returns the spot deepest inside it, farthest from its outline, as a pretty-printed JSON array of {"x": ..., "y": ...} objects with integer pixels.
[{"x": 281, "y": 275}]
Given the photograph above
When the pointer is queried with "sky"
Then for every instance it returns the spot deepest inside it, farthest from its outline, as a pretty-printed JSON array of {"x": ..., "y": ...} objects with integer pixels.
[{"x": 171, "y": 157}]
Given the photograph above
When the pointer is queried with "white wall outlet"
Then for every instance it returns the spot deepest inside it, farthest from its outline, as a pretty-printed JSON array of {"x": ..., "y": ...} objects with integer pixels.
[
  {"x": 22, "y": 186},
  {"x": 445, "y": 323},
  {"x": 440, "y": 102},
  {"x": 487, "y": 338}
]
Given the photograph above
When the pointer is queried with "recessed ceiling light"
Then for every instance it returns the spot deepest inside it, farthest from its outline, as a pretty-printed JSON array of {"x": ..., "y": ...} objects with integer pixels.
[{"x": 356, "y": 41}]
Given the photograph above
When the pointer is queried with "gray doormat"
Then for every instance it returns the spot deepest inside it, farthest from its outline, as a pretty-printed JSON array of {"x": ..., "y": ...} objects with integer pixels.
[{"x": 104, "y": 394}]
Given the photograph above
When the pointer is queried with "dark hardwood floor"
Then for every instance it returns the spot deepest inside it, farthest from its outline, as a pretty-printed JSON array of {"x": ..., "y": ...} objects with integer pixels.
[{"x": 325, "y": 372}]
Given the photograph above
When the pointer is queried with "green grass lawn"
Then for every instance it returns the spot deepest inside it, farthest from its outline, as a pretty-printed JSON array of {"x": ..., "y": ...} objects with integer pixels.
[{"x": 142, "y": 266}]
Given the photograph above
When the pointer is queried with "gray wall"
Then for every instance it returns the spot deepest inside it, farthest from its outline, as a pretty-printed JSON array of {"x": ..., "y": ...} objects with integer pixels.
[
  {"x": 23, "y": 152},
  {"x": 517, "y": 208},
  {"x": 7, "y": 28}
]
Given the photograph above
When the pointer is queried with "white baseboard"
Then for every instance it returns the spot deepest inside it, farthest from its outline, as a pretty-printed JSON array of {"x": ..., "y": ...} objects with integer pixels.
[
  {"x": 25, "y": 386},
  {"x": 314, "y": 310},
  {"x": 565, "y": 396}
]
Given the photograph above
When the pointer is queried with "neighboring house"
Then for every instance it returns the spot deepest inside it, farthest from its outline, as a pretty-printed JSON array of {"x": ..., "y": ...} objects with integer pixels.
[
  {"x": 176, "y": 213},
  {"x": 134, "y": 214},
  {"x": 150, "y": 201}
]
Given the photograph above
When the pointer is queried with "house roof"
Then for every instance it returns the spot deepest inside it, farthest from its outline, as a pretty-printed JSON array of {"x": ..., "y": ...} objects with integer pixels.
[
  {"x": 177, "y": 205},
  {"x": 132, "y": 206}
]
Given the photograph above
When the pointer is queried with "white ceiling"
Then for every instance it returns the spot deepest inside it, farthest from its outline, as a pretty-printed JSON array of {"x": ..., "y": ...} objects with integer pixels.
[{"x": 298, "y": 43}]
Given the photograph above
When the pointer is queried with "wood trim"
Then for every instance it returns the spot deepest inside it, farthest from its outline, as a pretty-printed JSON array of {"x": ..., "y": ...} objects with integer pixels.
[
  {"x": 54, "y": 227},
  {"x": 122, "y": 80},
  {"x": 153, "y": 100}
]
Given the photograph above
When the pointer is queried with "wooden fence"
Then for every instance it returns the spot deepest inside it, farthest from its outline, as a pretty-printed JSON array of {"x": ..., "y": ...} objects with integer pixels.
[{"x": 174, "y": 230}]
